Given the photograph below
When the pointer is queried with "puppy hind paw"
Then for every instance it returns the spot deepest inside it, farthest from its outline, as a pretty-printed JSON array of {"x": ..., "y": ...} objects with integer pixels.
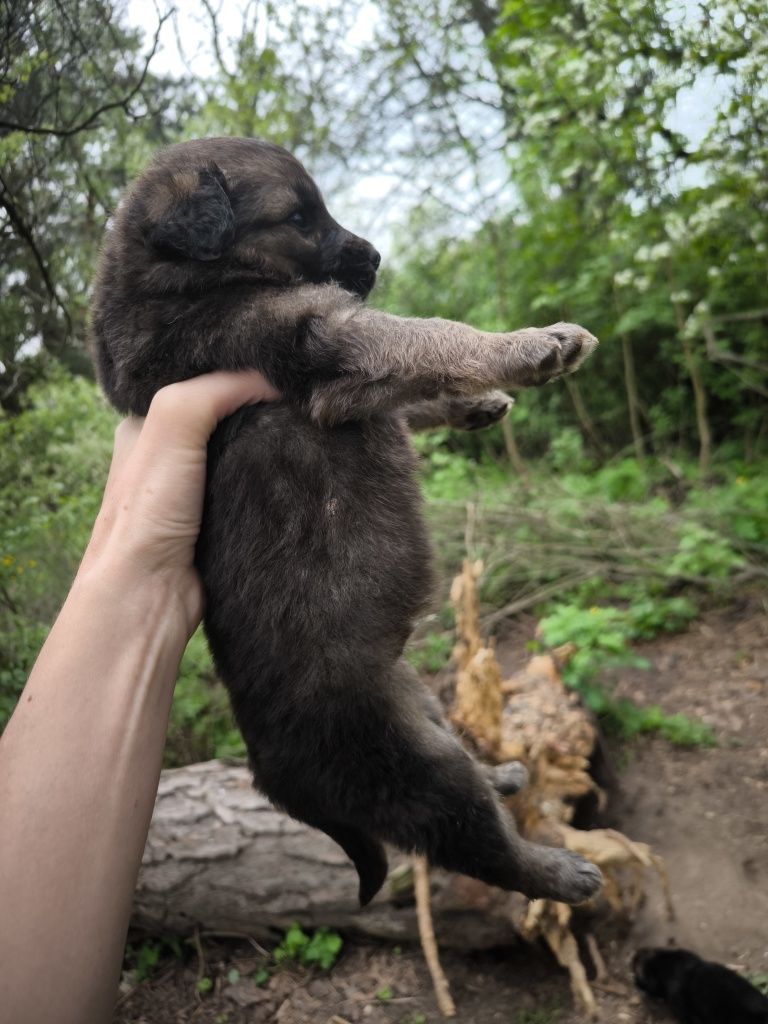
[
  {"x": 509, "y": 777},
  {"x": 563, "y": 876}
]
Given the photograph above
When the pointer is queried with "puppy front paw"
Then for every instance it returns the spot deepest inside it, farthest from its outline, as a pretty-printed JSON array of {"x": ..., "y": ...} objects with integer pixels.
[
  {"x": 476, "y": 413},
  {"x": 546, "y": 353}
]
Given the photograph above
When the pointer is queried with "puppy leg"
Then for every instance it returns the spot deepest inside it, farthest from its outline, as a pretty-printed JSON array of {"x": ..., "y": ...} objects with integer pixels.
[
  {"x": 387, "y": 361},
  {"x": 442, "y": 803},
  {"x": 459, "y": 412},
  {"x": 506, "y": 778},
  {"x": 345, "y": 361},
  {"x": 448, "y": 811}
]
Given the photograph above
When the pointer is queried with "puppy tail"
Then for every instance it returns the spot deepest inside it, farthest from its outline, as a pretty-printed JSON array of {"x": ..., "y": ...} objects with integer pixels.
[{"x": 366, "y": 853}]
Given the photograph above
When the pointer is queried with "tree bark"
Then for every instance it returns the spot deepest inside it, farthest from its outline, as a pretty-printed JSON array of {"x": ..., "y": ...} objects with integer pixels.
[{"x": 221, "y": 858}]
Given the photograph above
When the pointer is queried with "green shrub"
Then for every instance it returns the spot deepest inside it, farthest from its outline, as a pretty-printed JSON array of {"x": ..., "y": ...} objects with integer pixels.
[
  {"x": 201, "y": 725},
  {"x": 602, "y": 637},
  {"x": 431, "y": 653},
  {"x": 55, "y": 457},
  {"x": 322, "y": 948},
  {"x": 703, "y": 552}
]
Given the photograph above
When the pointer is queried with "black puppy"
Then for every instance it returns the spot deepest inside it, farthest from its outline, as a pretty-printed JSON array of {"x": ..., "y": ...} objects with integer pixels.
[
  {"x": 698, "y": 991},
  {"x": 313, "y": 553}
]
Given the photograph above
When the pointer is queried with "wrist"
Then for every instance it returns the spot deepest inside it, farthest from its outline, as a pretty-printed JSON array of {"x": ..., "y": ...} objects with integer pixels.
[{"x": 169, "y": 600}]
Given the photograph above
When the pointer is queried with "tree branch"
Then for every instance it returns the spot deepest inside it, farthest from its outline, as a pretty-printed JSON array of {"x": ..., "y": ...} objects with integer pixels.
[
  {"x": 88, "y": 122},
  {"x": 25, "y": 233}
]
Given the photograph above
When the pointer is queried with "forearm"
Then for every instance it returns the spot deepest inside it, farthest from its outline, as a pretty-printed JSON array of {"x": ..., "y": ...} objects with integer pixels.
[{"x": 79, "y": 764}]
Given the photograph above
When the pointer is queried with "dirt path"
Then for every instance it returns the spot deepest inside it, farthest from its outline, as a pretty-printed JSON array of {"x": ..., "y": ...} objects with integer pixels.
[{"x": 704, "y": 811}]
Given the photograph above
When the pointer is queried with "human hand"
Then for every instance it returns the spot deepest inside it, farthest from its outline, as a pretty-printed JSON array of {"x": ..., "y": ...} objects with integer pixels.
[{"x": 153, "y": 501}]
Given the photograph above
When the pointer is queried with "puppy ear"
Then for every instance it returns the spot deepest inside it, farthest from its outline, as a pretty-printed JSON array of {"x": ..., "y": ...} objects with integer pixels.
[{"x": 199, "y": 223}]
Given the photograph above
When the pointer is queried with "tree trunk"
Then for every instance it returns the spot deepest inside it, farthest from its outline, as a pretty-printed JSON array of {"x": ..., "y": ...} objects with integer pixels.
[
  {"x": 697, "y": 383},
  {"x": 513, "y": 452},
  {"x": 630, "y": 383},
  {"x": 630, "y": 386},
  {"x": 586, "y": 421},
  {"x": 221, "y": 858}
]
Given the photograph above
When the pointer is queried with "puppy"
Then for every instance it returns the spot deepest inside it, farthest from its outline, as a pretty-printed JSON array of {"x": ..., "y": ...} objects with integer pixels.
[
  {"x": 313, "y": 553},
  {"x": 698, "y": 991}
]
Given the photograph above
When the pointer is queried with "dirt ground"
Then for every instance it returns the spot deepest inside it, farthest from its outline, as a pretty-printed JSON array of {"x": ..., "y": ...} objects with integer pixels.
[{"x": 704, "y": 811}]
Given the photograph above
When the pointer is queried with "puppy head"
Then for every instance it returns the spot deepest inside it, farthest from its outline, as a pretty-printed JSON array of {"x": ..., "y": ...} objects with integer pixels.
[
  {"x": 215, "y": 211},
  {"x": 660, "y": 972}
]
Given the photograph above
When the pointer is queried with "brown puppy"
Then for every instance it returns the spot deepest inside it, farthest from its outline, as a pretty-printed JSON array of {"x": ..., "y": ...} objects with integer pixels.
[{"x": 313, "y": 553}]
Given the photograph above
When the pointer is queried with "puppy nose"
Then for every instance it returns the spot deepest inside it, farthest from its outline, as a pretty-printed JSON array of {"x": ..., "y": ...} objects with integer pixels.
[{"x": 375, "y": 258}]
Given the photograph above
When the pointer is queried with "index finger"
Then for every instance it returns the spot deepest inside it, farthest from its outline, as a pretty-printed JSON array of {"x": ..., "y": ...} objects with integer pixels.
[{"x": 185, "y": 414}]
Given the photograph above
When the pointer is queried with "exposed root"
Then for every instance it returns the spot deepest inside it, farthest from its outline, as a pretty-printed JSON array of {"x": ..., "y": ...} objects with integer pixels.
[
  {"x": 427, "y": 935},
  {"x": 601, "y": 971},
  {"x": 533, "y": 718},
  {"x": 478, "y": 704}
]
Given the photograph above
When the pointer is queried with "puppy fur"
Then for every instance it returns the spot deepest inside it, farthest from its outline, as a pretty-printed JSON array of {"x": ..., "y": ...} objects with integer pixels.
[
  {"x": 698, "y": 991},
  {"x": 313, "y": 552}
]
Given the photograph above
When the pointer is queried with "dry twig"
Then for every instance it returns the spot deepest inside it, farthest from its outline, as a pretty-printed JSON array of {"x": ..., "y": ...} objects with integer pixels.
[{"x": 427, "y": 935}]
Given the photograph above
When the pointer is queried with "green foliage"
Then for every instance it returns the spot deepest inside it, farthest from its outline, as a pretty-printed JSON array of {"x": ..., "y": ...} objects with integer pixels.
[
  {"x": 201, "y": 725},
  {"x": 650, "y": 615},
  {"x": 322, "y": 948},
  {"x": 385, "y": 993},
  {"x": 431, "y": 653},
  {"x": 760, "y": 981},
  {"x": 55, "y": 456},
  {"x": 602, "y": 637},
  {"x": 620, "y": 217},
  {"x": 618, "y": 555},
  {"x": 84, "y": 108},
  {"x": 142, "y": 959},
  {"x": 702, "y": 552},
  {"x": 566, "y": 451}
]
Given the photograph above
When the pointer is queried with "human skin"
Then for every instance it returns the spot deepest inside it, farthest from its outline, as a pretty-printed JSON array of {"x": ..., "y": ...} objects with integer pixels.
[{"x": 80, "y": 758}]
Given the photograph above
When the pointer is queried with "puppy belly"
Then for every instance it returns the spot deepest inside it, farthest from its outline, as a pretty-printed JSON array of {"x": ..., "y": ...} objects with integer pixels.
[{"x": 312, "y": 550}]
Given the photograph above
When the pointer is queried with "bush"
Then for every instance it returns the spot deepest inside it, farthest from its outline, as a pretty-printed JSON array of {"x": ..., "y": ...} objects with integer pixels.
[
  {"x": 202, "y": 725},
  {"x": 55, "y": 459}
]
